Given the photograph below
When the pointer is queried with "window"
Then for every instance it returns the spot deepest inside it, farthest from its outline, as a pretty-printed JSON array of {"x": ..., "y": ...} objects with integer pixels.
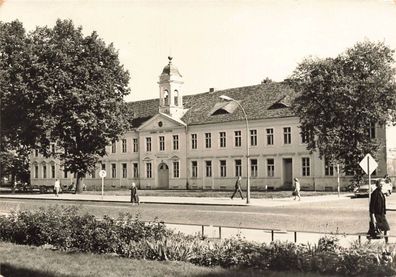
[
  {"x": 238, "y": 138},
  {"x": 135, "y": 145},
  {"x": 36, "y": 152},
  {"x": 176, "y": 170},
  {"x": 238, "y": 168},
  {"x": 329, "y": 168},
  {"x": 175, "y": 142},
  {"x": 287, "y": 135},
  {"x": 44, "y": 171},
  {"x": 53, "y": 149},
  {"x": 113, "y": 147},
  {"x": 148, "y": 170},
  {"x": 223, "y": 139},
  {"x": 135, "y": 170},
  {"x": 208, "y": 140},
  {"x": 194, "y": 169},
  {"x": 253, "y": 167},
  {"x": 270, "y": 167},
  {"x": 194, "y": 141},
  {"x": 124, "y": 171},
  {"x": 306, "y": 169},
  {"x": 176, "y": 98},
  {"x": 161, "y": 143},
  {"x": 93, "y": 173},
  {"x": 270, "y": 136},
  {"x": 124, "y": 146},
  {"x": 104, "y": 167},
  {"x": 64, "y": 173},
  {"x": 208, "y": 168},
  {"x": 223, "y": 168},
  {"x": 253, "y": 137},
  {"x": 148, "y": 144},
  {"x": 36, "y": 169},
  {"x": 52, "y": 171},
  {"x": 113, "y": 170},
  {"x": 371, "y": 131}
]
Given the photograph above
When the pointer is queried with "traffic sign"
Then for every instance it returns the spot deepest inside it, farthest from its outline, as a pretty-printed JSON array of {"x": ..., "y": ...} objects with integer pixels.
[
  {"x": 368, "y": 164},
  {"x": 102, "y": 173}
]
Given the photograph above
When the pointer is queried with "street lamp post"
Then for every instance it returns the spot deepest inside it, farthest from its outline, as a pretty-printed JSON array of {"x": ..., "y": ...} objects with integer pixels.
[{"x": 227, "y": 98}]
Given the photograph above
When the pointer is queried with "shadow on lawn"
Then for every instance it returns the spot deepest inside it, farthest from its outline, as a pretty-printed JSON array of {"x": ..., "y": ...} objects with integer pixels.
[{"x": 8, "y": 270}]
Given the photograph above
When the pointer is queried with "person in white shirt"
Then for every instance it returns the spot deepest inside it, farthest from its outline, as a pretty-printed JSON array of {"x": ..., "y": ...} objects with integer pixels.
[
  {"x": 297, "y": 188},
  {"x": 57, "y": 187}
]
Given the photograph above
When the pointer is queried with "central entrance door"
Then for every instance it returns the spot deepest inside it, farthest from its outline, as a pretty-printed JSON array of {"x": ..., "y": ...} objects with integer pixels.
[
  {"x": 163, "y": 176},
  {"x": 288, "y": 173}
]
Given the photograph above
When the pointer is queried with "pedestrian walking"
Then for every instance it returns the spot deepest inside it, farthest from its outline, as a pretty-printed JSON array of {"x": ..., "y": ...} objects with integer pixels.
[
  {"x": 134, "y": 194},
  {"x": 237, "y": 188},
  {"x": 297, "y": 188},
  {"x": 378, "y": 221},
  {"x": 57, "y": 187}
]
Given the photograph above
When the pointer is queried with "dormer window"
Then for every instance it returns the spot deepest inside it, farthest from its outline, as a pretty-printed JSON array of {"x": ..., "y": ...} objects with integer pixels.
[
  {"x": 280, "y": 104},
  {"x": 224, "y": 108}
]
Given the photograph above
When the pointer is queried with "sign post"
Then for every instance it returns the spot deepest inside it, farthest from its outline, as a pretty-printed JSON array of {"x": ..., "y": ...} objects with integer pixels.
[
  {"x": 368, "y": 164},
  {"x": 102, "y": 174}
]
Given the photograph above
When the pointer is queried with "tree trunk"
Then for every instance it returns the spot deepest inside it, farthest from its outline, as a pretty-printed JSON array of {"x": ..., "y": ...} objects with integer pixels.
[
  {"x": 79, "y": 186},
  {"x": 13, "y": 183}
]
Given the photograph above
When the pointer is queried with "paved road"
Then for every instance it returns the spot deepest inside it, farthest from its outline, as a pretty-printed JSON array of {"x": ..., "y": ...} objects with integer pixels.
[{"x": 332, "y": 215}]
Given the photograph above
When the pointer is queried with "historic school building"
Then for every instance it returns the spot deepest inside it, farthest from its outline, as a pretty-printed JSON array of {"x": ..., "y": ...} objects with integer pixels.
[{"x": 200, "y": 142}]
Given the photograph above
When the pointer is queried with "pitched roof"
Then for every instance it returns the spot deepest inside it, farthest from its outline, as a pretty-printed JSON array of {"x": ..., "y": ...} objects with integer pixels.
[{"x": 256, "y": 101}]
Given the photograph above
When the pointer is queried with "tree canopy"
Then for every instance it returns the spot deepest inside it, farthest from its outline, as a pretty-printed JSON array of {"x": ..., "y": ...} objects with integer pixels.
[
  {"x": 69, "y": 90},
  {"x": 340, "y": 98}
]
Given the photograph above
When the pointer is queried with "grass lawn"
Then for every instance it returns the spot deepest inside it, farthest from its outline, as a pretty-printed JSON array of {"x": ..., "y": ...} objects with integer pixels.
[{"x": 21, "y": 261}]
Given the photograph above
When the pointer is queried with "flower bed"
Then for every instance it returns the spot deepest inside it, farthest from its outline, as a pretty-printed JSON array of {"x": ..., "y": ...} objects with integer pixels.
[{"x": 127, "y": 236}]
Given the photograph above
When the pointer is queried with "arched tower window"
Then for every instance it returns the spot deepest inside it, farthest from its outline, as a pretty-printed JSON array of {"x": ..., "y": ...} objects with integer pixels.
[
  {"x": 166, "y": 98},
  {"x": 176, "y": 98}
]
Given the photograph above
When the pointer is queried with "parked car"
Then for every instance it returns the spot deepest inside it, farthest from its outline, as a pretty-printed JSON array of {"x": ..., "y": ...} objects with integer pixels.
[{"x": 363, "y": 190}]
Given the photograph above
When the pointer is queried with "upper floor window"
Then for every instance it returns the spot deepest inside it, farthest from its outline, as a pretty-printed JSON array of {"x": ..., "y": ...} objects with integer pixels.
[
  {"x": 135, "y": 145},
  {"x": 194, "y": 169},
  {"x": 124, "y": 146},
  {"x": 44, "y": 171},
  {"x": 52, "y": 171},
  {"x": 306, "y": 167},
  {"x": 194, "y": 141},
  {"x": 161, "y": 143},
  {"x": 148, "y": 144},
  {"x": 175, "y": 142},
  {"x": 306, "y": 136},
  {"x": 208, "y": 140},
  {"x": 223, "y": 139},
  {"x": 36, "y": 171},
  {"x": 113, "y": 147},
  {"x": 238, "y": 138},
  {"x": 238, "y": 168},
  {"x": 372, "y": 131},
  {"x": 223, "y": 168},
  {"x": 36, "y": 152},
  {"x": 270, "y": 136},
  {"x": 53, "y": 149},
  {"x": 253, "y": 137},
  {"x": 287, "y": 135}
]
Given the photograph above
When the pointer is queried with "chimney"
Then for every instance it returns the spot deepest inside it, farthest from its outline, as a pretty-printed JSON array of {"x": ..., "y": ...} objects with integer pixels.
[{"x": 211, "y": 90}]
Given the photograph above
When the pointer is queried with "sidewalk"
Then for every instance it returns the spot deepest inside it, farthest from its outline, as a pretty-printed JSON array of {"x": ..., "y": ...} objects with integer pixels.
[{"x": 264, "y": 202}]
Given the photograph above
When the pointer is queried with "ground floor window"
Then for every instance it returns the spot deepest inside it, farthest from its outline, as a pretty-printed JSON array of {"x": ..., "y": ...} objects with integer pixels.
[
  {"x": 238, "y": 168},
  {"x": 176, "y": 170},
  {"x": 124, "y": 171},
  {"x": 36, "y": 170},
  {"x": 149, "y": 173},
  {"x": 223, "y": 168},
  {"x": 44, "y": 171},
  {"x": 329, "y": 168},
  {"x": 113, "y": 171},
  {"x": 306, "y": 168},
  {"x": 194, "y": 169},
  {"x": 253, "y": 167},
  {"x": 270, "y": 167},
  {"x": 208, "y": 167},
  {"x": 135, "y": 170},
  {"x": 52, "y": 171}
]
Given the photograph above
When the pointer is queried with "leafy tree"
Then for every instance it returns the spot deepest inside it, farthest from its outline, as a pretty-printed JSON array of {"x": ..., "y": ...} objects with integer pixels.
[
  {"x": 71, "y": 92},
  {"x": 339, "y": 98}
]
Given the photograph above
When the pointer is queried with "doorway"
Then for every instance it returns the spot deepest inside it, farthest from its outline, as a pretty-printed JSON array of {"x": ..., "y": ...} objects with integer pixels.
[
  {"x": 163, "y": 176},
  {"x": 288, "y": 173}
]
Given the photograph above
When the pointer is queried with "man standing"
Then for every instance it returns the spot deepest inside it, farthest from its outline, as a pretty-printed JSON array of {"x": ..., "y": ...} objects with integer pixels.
[
  {"x": 57, "y": 187},
  {"x": 237, "y": 188},
  {"x": 134, "y": 195},
  {"x": 378, "y": 209},
  {"x": 297, "y": 188}
]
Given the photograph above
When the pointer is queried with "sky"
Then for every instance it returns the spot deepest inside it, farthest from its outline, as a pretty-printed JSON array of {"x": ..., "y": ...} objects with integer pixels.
[{"x": 216, "y": 44}]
